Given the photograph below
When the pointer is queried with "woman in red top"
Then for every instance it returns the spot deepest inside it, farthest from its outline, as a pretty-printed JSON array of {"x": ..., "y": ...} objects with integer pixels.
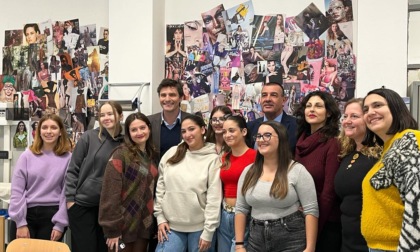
[{"x": 237, "y": 156}]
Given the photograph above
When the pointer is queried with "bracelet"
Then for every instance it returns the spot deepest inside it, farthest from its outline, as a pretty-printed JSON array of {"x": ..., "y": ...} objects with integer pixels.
[{"x": 239, "y": 243}]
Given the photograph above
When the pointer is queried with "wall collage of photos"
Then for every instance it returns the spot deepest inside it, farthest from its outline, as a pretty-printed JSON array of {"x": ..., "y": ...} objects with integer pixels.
[
  {"x": 53, "y": 67},
  {"x": 225, "y": 57}
]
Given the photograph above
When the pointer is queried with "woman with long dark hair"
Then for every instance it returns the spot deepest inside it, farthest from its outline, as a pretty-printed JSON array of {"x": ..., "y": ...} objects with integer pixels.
[
  {"x": 279, "y": 194},
  {"x": 317, "y": 149},
  {"x": 391, "y": 188},
  {"x": 237, "y": 156},
  {"x": 218, "y": 116},
  {"x": 129, "y": 180},
  {"x": 188, "y": 192}
]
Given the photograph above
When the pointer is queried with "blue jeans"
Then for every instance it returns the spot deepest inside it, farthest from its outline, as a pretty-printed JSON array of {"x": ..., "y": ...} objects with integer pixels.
[
  {"x": 180, "y": 241},
  {"x": 284, "y": 234},
  {"x": 226, "y": 232}
]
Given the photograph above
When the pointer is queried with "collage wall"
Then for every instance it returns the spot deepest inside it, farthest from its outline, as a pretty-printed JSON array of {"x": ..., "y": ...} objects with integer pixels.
[
  {"x": 226, "y": 56},
  {"x": 53, "y": 67}
]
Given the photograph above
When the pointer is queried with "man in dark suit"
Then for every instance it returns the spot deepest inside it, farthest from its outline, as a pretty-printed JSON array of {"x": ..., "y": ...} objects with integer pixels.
[
  {"x": 272, "y": 102},
  {"x": 166, "y": 125}
]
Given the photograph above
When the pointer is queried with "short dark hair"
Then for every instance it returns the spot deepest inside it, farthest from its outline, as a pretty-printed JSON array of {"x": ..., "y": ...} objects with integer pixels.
[
  {"x": 34, "y": 25},
  {"x": 401, "y": 116},
  {"x": 170, "y": 83},
  {"x": 331, "y": 128}
]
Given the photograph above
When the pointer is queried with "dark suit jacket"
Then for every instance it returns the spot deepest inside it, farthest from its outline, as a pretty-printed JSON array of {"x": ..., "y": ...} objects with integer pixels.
[
  {"x": 287, "y": 121},
  {"x": 156, "y": 122}
]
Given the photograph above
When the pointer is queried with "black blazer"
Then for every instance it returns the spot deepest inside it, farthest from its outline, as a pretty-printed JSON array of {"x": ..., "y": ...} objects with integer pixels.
[{"x": 287, "y": 121}]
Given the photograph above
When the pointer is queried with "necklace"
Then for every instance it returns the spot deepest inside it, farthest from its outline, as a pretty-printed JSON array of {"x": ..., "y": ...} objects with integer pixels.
[{"x": 355, "y": 157}]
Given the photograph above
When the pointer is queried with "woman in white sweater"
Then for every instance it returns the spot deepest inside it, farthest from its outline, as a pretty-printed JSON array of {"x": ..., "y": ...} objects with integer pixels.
[{"x": 188, "y": 192}]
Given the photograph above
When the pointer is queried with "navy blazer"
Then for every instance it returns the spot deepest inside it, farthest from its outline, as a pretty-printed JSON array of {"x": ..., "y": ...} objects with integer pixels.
[
  {"x": 287, "y": 121},
  {"x": 156, "y": 122}
]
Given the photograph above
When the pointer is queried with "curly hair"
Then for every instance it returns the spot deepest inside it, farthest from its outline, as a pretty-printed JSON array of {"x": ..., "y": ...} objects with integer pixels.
[{"x": 331, "y": 127}]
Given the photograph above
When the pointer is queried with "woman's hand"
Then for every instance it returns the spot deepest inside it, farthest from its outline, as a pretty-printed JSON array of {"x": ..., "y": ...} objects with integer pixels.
[
  {"x": 240, "y": 248},
  {"x": 163, "y": 229},
  {"x": 23, "y": 232},
  {"x": 111, "y": 242},
  {"x": 203, "y": 245},
  {"x": 56, "y": 235}
]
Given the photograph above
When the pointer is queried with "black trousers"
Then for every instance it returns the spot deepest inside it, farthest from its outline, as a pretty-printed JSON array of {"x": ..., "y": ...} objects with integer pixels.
[
  {"x": 39, "y": 222},
  {"x": 86, "y": 234},
  {"x": 329, "y": 239}
]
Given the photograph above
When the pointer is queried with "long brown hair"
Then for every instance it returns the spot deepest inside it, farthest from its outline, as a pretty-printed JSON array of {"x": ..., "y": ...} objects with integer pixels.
[
  {"x": 241, "y": 123},
  {"x": 62, "y": 146},
  {"x": 129, "y": 143},
  {"x": 280, "y": 185},
  {"x": 183, "y": 147},
  {"x": 117, "y": 111}
]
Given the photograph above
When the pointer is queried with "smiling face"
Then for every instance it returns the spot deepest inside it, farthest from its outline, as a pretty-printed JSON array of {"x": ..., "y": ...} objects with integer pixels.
[
  {"x": 139, "y": 133},
  {"x": 50, "y": 132},
  {"x": 377, "y": 115},
  {"x": 272, "y": 101},
  {"x": 218, "y": 124},
  {"x": 107, "y": 118},
  {"x": 192, "y": 134},
  {"x": 267, "y": 148},
  {"x": 233, "y": 135},
  {"x": 353, "y": 124},
  {"x": 169, "y": 99},
  {"x": 315, "y": 113}
]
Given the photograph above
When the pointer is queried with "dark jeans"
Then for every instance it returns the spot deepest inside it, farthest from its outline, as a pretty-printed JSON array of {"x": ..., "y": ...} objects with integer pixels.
[
  {"x": 329, "y": 239},
  {"x": 284, "y": 234},
  {"x": 39, "y": 222},
  {"x": 86, "y": 234}
]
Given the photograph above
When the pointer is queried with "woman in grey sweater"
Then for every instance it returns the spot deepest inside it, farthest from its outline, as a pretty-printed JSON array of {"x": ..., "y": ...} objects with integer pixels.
[{"x": 272, "y": 190}]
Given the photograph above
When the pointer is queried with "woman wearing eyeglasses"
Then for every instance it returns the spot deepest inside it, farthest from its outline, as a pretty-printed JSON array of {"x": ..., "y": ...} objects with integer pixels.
[
  {"x": 238, "y": 155},
  {"x": 272, "y": 191},
  {"x": 317, "y": 149},
  {"x": 215, "y": 129},
  {"x": 391, "y": 189},
  {"x": 359, "y": 152}
]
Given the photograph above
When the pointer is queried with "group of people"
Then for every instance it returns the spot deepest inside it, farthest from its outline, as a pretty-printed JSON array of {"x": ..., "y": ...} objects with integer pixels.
[{"x": 278, "y": 183}]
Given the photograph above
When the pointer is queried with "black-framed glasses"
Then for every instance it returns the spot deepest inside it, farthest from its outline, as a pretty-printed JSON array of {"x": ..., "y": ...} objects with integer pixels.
[
  {"x": 221, "y": 119},
  {"x": 265, "y": 136}
]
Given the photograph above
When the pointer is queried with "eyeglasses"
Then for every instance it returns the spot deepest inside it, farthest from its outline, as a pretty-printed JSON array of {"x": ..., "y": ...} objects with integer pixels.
[
  {"x": 265, "y": 137},
  {"x": 221, "y": 119}
]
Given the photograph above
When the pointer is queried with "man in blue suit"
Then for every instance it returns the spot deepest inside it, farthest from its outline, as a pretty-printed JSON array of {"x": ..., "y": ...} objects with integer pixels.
[{"x": 272, "y": 102}]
